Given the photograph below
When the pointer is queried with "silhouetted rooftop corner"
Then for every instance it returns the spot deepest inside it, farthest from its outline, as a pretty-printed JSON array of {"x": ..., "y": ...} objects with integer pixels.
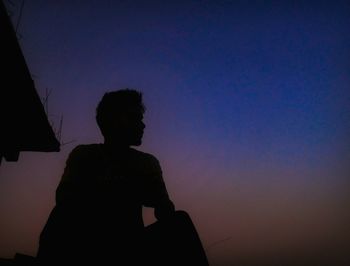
[{"x": 24, "y": 125}]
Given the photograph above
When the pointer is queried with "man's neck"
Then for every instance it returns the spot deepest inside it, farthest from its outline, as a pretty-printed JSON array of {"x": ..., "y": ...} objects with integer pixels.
[{"x": 115, "y": 147}]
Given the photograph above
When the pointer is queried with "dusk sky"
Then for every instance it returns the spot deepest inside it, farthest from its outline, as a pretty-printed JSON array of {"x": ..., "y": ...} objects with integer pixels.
[{"x": 248, "y": 112}]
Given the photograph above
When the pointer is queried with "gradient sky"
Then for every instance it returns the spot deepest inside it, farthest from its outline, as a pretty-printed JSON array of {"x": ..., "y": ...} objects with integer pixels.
[{"x": 248, "y": 112}]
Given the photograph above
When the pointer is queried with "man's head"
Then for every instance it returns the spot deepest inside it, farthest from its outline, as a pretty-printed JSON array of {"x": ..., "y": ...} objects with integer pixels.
[{"x": 119, "y": 115}]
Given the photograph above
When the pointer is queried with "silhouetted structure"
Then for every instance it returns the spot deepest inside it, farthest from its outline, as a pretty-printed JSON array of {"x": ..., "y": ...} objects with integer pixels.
[{"x": 24, "y": 124}]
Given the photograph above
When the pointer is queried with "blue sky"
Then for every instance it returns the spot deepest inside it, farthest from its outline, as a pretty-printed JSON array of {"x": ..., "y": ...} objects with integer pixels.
[{"x": 247, "y": 111}]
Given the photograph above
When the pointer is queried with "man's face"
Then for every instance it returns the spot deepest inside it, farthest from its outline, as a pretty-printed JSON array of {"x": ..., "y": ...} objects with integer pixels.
[{"x": 129, "y": 127}]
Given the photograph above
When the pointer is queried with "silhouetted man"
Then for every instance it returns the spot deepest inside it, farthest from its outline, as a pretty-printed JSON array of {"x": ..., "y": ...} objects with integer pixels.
[{"x": 98, "y": 213}]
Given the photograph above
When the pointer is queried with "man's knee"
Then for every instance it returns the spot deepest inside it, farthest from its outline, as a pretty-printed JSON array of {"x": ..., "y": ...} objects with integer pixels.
[
  {"x": 180, "y": 214},
  {"x": 182, "y": 218}
]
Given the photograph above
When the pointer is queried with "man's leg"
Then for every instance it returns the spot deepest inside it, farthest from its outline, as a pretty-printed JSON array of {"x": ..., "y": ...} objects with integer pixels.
[{"x": 175, "y": 241}]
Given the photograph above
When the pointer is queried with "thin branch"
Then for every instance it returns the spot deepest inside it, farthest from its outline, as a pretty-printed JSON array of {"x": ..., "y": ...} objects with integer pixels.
[
  {"x": 218, "y": 242},
  {"x": 20, "y": 15},
  {"x": 10, "y": 2},
  {"x": 46, "y": 100},
  {"x": 68, "y": 142}
]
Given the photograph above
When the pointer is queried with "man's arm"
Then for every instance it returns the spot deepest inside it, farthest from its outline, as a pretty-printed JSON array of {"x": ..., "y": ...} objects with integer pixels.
[
  {"x": 158, "y": 196},
  {"x": 70, "y": 186}
]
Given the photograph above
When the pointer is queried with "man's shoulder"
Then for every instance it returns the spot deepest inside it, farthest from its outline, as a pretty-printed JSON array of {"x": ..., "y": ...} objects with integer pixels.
[
  {"x": 85, "y": 150},
  {"x": 143, "y": 156},
  {"x": 87, "y": 147}
]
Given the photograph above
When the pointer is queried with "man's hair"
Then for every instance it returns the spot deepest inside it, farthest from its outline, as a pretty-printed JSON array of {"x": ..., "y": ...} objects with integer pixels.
[{"x": 114, "y": 103}]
